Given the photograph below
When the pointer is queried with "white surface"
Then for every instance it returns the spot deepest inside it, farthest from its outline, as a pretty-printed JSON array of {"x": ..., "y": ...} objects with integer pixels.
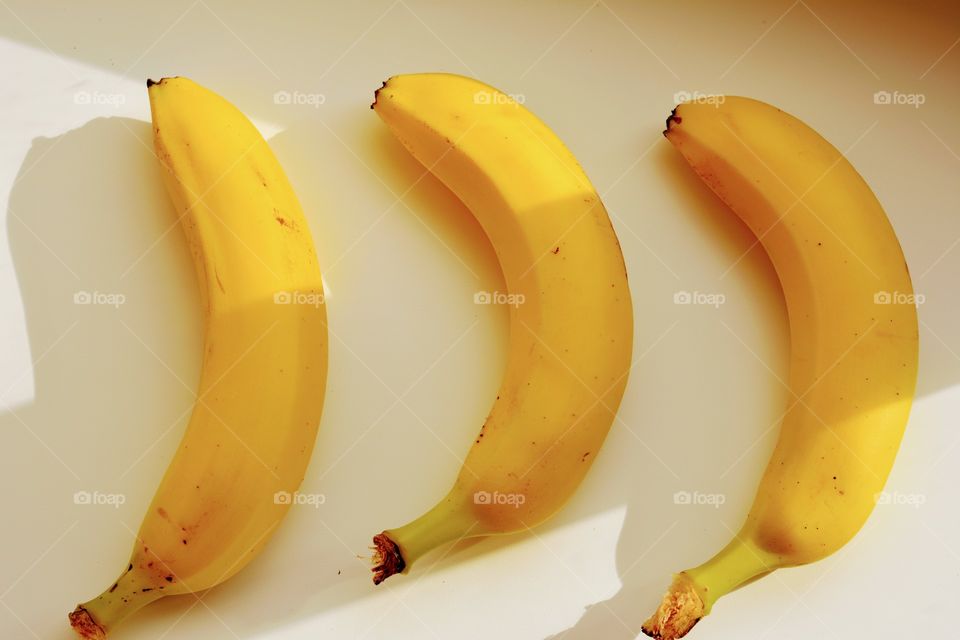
[{"x": 94, "y": 398}]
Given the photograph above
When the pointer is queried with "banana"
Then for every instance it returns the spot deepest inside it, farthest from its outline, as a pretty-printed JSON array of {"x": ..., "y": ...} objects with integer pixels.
[
  {"x": 264, "y": 364},
  {"x": 571, "y": 324},
  {"x": 853, "y": 342}
]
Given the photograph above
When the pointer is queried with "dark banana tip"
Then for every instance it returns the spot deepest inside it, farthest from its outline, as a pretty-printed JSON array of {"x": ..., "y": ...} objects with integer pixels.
[
  {"x": 387, "y": 558},
  {"x": 672, "y": 119},
  {"x": 376, "y": 94}
]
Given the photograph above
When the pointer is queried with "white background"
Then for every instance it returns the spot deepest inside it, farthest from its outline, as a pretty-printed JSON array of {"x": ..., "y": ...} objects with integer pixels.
[{"x": 95, "y": 398}]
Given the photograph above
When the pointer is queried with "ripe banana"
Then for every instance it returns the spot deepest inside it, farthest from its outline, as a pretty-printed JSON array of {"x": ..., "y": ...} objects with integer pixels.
[
  {"x": 853, "y": 363},
  {"x": 264, "y": 361},
  {"x": 571, "y": 329}
]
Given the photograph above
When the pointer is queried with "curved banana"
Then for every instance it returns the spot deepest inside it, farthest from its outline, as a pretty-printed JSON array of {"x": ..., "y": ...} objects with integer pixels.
[
  {"x": 571, "y": 321},
  {"x": 264, "y": 361},
  {"x": 854, "y": 341}
]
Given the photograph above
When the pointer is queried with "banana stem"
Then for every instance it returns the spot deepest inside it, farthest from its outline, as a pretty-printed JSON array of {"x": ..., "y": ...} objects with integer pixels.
[
  {"x": 694, "y": 591},
  {"x": 92, "y": 620},
  {"x": 737, "y": 564},
  {"x": 397, "y": 549}
]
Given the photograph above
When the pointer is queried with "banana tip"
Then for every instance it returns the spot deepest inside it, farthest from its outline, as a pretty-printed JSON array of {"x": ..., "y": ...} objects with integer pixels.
[
  {"x": 672, "y": 119},
  {"x": 151, "y": 81},
  {"x": 376, "y": 94},
  {"x": 84, "y": 624},
  {"x": 387, "y": 558},
  {"x": 680, "y": 609}
]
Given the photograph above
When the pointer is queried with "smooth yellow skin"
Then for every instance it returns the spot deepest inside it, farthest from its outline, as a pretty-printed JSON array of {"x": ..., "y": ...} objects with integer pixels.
[
  {"x": 264, "y": 364},
  {"x": 571, "y": 338},
  {"x": 853, "y": 364}
]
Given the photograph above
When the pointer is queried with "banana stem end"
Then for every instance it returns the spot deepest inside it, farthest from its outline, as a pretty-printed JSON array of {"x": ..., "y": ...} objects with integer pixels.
[
  {"x": 680, "y": 609},
  {"x": 84, "y": 624},
  {"x": 387, "y": 558}
]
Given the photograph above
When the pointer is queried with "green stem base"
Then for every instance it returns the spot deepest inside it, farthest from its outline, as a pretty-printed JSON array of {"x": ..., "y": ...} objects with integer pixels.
[
  {"x": 694, "y": 591},
  {"x": 94, "y": 619},
  {"x": 395, "y": 550}
]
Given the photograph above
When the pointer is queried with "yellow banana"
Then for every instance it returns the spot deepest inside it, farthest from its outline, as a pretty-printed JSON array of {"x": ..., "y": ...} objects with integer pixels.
[
  {"x": 264, "y": 361},
  {"x": 571, "y": 319},
  {"x": 853, "y": 332}
]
